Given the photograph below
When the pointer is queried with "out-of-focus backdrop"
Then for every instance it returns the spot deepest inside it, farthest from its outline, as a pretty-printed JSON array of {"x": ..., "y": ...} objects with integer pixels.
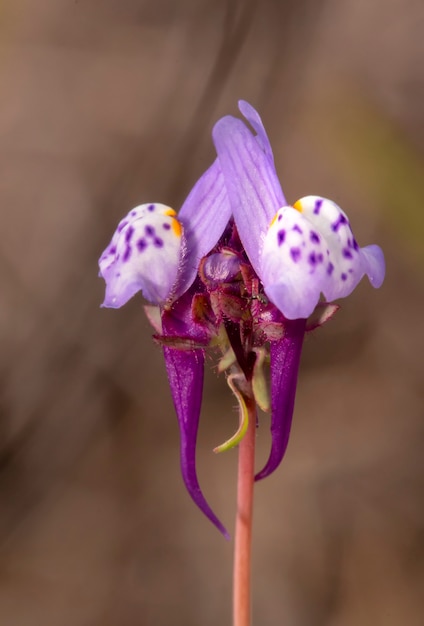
[{"x": 105, "y": 104}]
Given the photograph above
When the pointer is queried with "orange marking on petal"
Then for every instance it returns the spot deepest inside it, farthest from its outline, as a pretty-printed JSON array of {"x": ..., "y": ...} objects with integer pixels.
[
  {"x": 170, "y": 212},
  {"x": 298, "y": 206},
  {"x": 176, "y": 227}
]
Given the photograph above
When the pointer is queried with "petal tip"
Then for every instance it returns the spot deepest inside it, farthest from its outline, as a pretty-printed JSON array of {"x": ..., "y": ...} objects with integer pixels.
[{"x": 375, "y": 264}]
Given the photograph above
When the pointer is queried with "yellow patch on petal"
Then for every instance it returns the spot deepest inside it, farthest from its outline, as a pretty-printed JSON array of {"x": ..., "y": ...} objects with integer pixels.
[
  {"x": 298, "y": 206},
  {"x": 176, "y": 227},
  {"x": 170, "y": 212},
  {"x": 273, "y": 219}
]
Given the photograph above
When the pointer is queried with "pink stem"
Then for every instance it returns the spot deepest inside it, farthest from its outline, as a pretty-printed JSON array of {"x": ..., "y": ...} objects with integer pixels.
[{"x": 243, "y": 529}]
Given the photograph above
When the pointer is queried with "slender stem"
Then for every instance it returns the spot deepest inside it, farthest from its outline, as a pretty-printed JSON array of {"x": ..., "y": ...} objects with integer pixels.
[{"x": 243, "y": 530}]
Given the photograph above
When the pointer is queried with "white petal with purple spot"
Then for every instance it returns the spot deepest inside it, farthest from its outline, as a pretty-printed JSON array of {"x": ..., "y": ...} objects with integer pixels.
[
  {"x": 349, "y": 261},
  {"x": 310, "y": 249},
  {"x": 144, "y": 254},
  {"x": 294, "y": 264}
]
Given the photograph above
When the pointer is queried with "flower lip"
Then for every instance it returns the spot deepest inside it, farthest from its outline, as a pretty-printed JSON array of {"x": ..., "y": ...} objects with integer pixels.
[
  {"x": 157, "y": 252},
  {"x": 310, "y": 250},
  {"x": 143, "y": 255}
]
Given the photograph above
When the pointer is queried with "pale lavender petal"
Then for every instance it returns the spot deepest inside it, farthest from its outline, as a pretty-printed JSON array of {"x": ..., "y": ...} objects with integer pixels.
[
  {"x": 255, "y": 121},
  {"x": 185, "y": 375},
  {"x": 374, "y": 264},
  {"x": 285, "y": 359},
  {"x": 251, "y": 181},
  {"x": 144, "y": 254},
  {"x": 204, "y": 215}
]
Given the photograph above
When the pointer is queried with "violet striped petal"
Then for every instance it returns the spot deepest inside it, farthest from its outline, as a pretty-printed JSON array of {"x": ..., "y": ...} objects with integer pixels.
[
  {"x": 256, "y": 123},
  {"x": 285, "y": 359},
  {"x": 204, "y": 216},
  {"x": 252, "y": 185}
]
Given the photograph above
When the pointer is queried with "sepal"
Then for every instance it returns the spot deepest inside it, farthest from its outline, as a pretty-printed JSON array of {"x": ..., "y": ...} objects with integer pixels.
[
  {"x": 285, "y": 359},
  {"x": 323, "y": 312},
  {"x": 185, "y": 374}
]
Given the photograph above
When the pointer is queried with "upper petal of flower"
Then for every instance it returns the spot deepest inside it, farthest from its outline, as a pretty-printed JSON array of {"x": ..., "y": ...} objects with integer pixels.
[
  {"x": 144, "y": 255},
  {"x": 256, "y": 123},
  {"x": 252, "y": 185},
  {"x": 204, "y": 215},
  {"x": 310, "y": 249}
]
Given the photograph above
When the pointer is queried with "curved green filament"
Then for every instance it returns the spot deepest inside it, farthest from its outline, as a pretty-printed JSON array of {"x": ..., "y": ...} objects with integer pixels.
[{"x": 244, "y": 416}]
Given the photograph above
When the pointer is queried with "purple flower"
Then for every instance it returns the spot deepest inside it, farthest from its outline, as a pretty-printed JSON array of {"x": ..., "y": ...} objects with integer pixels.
[
  {"x": 239, "y": 270},
  {"x": 158, "y": 253},
  {"x": 297, "y": 251}
]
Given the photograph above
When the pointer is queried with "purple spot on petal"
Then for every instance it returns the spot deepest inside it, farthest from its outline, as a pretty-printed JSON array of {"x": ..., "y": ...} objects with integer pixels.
[
  {"x": 340, "y": 220},
  {"x": 297, "y": 228},
  {"x": 320, "y": 258},
  {"x": 149, "y": 230},
  {"x": 314, "y": 237},
  {"x": 133, "y": 213},
  {"x": 158, "y": 242},
  {"x": 129, "y": 234},
  {"x": 112, "y": 250},
  {"x": 295, "y": 254},
  {"x": 330, "y": 269},
  {"x": 166, "y": 226},
  {"x": 281, "y": 236},
  {"x": 127, "y": 254},
  {"x": 355, "y": 245},
  {"x": 343, "y": 276},
  {"x": 318, "y": 205},
  {"x": 151, "y": 207},
  {"x": 280, "y": 217},
  {"x": 141, "y": 245},
  {"x": 312, "y": 258},
  {"x": 121, "y": 226},
  {"x": 347, "y": 253}
]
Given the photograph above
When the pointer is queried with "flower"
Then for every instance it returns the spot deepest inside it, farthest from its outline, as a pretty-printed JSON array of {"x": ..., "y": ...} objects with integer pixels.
[
  {"x": 298, "y": 252},
  {"x": 158, "y": 253},
  {"x": 240, "y": 270}
]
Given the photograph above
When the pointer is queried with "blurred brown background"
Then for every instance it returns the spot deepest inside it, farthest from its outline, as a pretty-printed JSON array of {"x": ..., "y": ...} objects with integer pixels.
[{"x": 105, "y": 104}]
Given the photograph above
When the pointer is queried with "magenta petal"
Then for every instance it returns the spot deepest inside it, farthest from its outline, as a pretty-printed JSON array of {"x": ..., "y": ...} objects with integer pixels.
[
  {"x": 252, "y": 185},
  {"x": 285, "y": 359},
  {"x": 185, "y": 375}
]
